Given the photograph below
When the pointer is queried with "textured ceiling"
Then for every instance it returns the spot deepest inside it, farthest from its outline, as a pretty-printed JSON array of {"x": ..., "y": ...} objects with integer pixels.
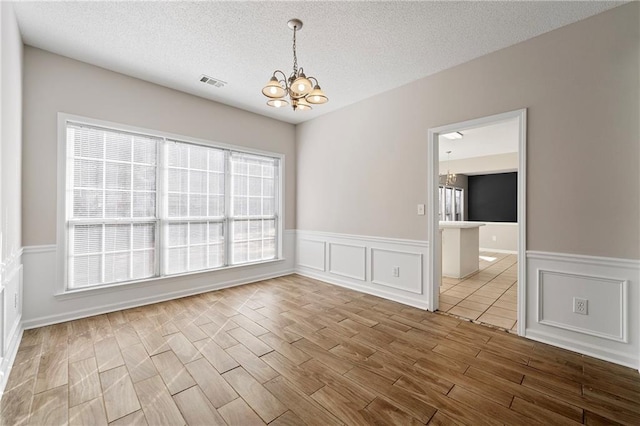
[{"x": 355, "y": 49}]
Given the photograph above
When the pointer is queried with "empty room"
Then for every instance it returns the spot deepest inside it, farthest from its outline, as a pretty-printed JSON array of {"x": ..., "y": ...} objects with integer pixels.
[{"x": 319, "y": 213}]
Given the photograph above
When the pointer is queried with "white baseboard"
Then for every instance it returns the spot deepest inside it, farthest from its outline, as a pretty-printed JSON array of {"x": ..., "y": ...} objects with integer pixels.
[
  {"x": 103, "y": 309},
  {"x": 366, "y": 264},
  {"x": 611, "y": 328},
  {"x": 575, "y": 345},
  {"x": 361, "y": 288},
  {"x": 43, "y": 307},
  {"x": 498, "y": 250}
]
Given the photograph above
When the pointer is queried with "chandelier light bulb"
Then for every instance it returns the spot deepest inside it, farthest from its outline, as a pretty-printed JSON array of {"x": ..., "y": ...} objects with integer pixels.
[{"x": 301, "y": 85}]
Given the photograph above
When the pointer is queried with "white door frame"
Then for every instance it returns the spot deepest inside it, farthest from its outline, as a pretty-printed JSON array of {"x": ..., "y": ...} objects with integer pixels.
[{"x": 433, "y": 281}]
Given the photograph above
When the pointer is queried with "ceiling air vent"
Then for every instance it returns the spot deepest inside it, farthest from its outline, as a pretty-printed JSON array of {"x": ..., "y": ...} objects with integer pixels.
[{"x": 212, "y": 81}]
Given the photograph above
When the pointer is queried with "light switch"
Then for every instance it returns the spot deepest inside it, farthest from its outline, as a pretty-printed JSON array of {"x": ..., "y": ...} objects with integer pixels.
[{"x": 420, "y": 209}]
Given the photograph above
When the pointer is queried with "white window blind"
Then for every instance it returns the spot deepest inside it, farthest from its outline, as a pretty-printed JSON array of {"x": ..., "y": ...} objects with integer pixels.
[
  {"x": 253, "y": 213},
  {"x": 113, "y": 223},
  {"x": 195, "y": 207},
  {"x": 139, "y": 206}
]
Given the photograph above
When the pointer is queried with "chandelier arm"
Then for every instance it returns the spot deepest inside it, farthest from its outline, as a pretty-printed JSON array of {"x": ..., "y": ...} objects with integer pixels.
[
  {"x": 314, "y": 79},
  {"x": 284, "y": 78}
]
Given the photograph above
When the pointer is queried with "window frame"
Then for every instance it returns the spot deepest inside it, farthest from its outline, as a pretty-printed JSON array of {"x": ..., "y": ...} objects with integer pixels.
[{"x": 65, "y": 200}]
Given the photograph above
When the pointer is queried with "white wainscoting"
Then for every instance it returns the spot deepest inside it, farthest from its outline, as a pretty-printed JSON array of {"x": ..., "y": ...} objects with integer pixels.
[
  {"x": 410, "y": 271},
  {"x": 366, "y": 264},
  {"x": 10, "y": 313},
  {"x": 349, "y": 261},
  {"x": 611, "y": 328},
  {"x": 312, "y": 254},
  {"x": 42, "y": 307}
]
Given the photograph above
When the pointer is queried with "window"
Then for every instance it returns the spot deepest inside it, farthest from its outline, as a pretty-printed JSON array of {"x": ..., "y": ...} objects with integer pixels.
[
  {"x": 253, "y": 208},
  {"x": 451, "y": 199},
  {"x": 140, "y": 206},
  {"x": 195, "y": 207}
]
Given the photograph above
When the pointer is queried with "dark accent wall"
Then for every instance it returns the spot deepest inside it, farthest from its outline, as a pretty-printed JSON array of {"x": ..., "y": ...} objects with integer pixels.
[{"x": 493, "y": 198}]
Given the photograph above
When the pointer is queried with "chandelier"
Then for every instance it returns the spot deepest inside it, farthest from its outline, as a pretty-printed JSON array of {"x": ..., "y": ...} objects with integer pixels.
[
  {"x": 298, "y": 87},
  {"x": 450, "y": 178}
]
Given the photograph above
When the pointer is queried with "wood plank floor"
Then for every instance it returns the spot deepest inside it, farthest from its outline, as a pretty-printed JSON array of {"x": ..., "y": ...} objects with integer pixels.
[{"x": 294, "y": 351}]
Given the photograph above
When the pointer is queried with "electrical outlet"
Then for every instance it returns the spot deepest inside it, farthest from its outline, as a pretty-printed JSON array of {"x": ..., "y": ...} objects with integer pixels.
[
  {"x": 494, "y": 238},
  {"x": 420, "y": 209},
  {"x": 396, "y": 271},
  {"x": 580, "y": 305}
]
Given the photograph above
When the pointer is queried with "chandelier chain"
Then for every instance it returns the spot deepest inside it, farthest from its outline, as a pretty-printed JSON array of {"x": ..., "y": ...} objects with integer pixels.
[{"x": 295, "y": 56}]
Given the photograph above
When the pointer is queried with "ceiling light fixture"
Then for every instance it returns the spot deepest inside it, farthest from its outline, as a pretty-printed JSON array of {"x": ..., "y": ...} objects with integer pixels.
[
  {"x": 450, "y": 178},
  {"x": 454, "y": 135},
  {"x": 302, "y": 94}
]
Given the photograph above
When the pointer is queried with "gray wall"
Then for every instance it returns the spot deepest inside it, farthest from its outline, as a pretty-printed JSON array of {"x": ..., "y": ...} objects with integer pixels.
[
  {"x": 55, "y": 84},
  {"x": 363, "y": 169}
]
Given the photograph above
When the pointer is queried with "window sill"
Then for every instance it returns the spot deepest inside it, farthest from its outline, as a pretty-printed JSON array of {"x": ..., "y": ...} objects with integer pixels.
[{"x": 114, "y": 287}]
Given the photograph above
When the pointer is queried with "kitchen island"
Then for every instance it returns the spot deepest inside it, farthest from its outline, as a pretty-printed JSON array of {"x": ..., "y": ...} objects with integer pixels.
[{"x": 460, "y": 248}]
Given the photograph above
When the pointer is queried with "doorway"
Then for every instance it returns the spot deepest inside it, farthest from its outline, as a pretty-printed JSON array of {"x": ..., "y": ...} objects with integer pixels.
[{"x": 496, "y": 272}]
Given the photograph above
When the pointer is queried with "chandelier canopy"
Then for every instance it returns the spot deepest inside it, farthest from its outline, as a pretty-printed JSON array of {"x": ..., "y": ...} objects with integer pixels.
[{"x": 298, "y": 88}]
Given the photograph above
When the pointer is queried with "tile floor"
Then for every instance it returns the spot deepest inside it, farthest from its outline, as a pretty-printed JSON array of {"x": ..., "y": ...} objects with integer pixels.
[{"x": 489, "y": 296}]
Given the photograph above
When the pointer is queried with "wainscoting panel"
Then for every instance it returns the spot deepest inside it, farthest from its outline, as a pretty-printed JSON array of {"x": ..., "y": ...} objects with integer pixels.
[
  {"x": 407, "y": 265},
  {"x": 12, "y": 305},
  {"x": 348, "y": 261},
  {"x": 311, "y": 254},
  {"x": 611, "y": 328},
  {"x": 367, "y": 264},
  {"x": 10, "y": 313},
  {"x": 606, "y": 307}
]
